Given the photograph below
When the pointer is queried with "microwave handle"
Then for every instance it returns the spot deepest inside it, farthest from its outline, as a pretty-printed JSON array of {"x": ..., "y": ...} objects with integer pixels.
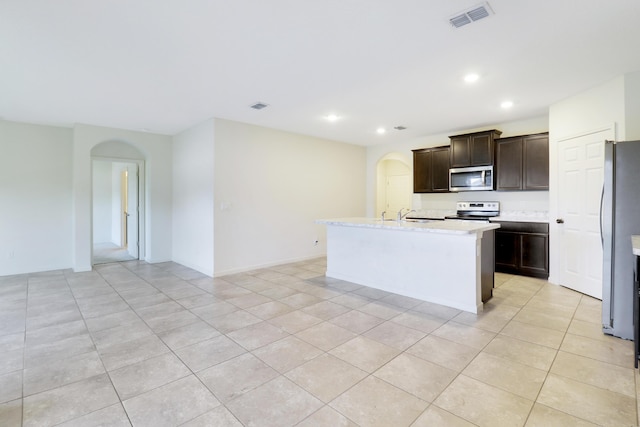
[{"x": 484, "y": 181}]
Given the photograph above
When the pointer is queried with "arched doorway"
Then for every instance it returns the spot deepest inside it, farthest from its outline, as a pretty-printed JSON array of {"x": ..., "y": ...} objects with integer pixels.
[
  {"x": 117, "y": 203},
  {"x": 394, "y": 185}
]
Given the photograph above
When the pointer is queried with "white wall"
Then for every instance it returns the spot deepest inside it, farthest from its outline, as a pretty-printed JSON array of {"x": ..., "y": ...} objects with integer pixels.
[
  {"x": 45, "y": 176},
  {"x": 193, "y": 190},
  {"x": 632, "y": 106},
  {"x": 616, "y": 104},
  {"x": 102, "y": 203},
  {"x": 35, "y": 198},
  {"x": 158, "y": 189},
  {"x": 270, "y": 187},
  {"x": 511, "y": 201},
  {"x": 595, "y": 109},
  {"x": 591, "y": 110}
]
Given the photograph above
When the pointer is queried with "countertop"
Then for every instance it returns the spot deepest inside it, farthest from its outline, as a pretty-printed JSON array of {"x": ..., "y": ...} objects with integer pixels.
[
  {"x": 635, "y": 243},
  {"x": 516, "y": 218},
  {"x": 443, "y": 227},
  {"x": 522, "y": 216}
]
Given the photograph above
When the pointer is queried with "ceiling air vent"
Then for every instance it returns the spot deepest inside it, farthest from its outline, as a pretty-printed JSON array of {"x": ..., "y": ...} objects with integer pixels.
[
  {"x": 399, "y": 128},
  {"x": 259, "y": 105},
  {"x": 471, "y": 15}
]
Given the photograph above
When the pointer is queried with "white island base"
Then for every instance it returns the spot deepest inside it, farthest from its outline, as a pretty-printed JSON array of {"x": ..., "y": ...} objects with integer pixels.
[{"x": 438, "y": 262}]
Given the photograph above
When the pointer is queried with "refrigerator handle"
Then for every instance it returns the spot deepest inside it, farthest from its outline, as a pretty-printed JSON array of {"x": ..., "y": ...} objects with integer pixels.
[{"x": 601, "y": 216}]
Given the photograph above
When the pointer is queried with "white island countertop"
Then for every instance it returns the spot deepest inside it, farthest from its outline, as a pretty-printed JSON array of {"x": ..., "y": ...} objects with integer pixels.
[
  {"x": 443, "y": 262},
  {"x": 635, "y": 243},
  {"x": 441, "y": 227}
]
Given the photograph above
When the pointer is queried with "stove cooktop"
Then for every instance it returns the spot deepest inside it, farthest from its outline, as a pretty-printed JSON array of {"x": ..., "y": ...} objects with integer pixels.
[{"x": 478, "y": 211}]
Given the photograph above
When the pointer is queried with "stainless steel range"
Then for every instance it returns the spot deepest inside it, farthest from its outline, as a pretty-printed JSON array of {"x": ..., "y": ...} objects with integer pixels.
[{"x": 475, "y": 211}]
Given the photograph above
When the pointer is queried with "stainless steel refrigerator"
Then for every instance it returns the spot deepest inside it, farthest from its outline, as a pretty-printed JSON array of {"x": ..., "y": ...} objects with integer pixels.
[{"x": 619, "y": 219}]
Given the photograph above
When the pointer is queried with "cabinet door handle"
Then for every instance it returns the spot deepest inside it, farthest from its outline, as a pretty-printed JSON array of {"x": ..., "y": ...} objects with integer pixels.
[{"x": 560, "y": 221}]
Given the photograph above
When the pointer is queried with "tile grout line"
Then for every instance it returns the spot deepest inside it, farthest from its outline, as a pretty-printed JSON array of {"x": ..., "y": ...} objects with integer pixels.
[{"x": 265, "y": 272}]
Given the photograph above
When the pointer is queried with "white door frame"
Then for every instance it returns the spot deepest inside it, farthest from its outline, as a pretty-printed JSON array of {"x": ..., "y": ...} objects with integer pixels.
[
  {"x": 133, "y": 215},
  {"x": 141, "y": 201}
]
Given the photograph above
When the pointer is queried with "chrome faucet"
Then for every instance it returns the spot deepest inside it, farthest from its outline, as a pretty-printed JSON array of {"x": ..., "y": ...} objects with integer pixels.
[
  {"x": 401, "y": 215},
  {"x": 383, "y": 212}
]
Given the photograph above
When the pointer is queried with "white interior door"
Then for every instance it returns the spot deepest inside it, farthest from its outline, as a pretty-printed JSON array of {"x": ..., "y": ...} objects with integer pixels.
[
  {"x": 580, "y": 180},
  {"x": 398, "y": 194},
  {"x": 132, "y": 210}
]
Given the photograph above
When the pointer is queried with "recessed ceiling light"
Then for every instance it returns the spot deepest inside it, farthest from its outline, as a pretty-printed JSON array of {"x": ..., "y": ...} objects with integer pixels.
[
  {"x": 333, "y": 117},
  {"x": 381, "y": 131},
  {"x": 506, "y": 104},
  {"x": 259, "y": 105},
  {"x": 471, "y": 78}
]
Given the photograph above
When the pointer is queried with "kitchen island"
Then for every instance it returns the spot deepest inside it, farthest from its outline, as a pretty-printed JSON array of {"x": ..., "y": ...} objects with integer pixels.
[{"x": 444, "y": 262}]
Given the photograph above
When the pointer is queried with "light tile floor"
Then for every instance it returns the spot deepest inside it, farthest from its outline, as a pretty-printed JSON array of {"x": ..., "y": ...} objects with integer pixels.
[{"x": 154, "y": 345}]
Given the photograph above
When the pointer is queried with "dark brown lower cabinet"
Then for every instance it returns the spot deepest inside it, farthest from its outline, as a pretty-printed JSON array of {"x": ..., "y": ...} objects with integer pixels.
[{"x": 523, "y": 248}]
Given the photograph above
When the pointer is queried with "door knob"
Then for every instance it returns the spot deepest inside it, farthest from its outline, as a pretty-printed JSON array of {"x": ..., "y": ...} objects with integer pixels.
[{"x": 560, "y": 221}]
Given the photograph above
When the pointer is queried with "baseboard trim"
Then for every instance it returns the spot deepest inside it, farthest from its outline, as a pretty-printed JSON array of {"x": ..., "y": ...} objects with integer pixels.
[{"x": 265, "y": 265}]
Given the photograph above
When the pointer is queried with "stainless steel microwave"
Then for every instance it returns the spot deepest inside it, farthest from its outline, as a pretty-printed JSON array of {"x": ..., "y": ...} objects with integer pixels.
[{"x": 476, "y": 178}]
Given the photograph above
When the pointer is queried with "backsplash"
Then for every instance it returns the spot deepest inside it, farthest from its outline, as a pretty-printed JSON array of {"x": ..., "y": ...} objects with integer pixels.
[
  {"x": 512, "y": 203},
  {"x": 433, "y": 213}
]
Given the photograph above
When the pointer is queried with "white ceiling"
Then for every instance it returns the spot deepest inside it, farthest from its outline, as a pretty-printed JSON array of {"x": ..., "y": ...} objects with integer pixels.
[{"x": 164, "y": 66}]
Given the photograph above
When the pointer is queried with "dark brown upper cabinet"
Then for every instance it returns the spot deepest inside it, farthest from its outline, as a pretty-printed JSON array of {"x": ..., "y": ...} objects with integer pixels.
[
  {"x": 422, "y": 164},
  {"x": 522, "y": 162},
  {"x": 431, "y": 170},
  {"x": 473, "y": 149}
]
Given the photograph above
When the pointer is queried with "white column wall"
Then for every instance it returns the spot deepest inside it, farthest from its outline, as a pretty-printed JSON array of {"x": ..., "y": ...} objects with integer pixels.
[
  {"x": 35, "y": 198},
  {"x": 193, "y": 191},
  {"x": 270, "y": 186},
  {"x": 158, "y": 190}
]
